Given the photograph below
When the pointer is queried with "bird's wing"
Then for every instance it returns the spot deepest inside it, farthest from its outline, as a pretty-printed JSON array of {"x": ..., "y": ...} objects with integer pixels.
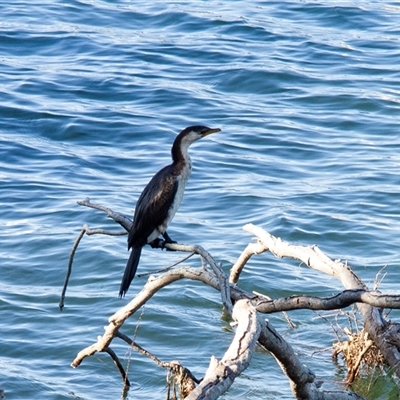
[{"x": 153, "y": 205}]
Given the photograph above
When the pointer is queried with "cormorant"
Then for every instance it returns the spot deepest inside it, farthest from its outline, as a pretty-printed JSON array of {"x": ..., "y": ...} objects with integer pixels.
[{"x": 160, "y": 200}]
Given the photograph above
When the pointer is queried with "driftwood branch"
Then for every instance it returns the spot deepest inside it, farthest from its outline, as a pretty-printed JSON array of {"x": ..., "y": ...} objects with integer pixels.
[
  {"x": 126, "y": 223},
  {"x": 302, "y": 380},
  {"x": 153, "y": 285},
  {"x": 342, "y": 300},
  {"x": 251, "y": 329},
  {"x": 69, "y": 267},
  {"x": 119, "y": 366},
  {"x": 85, "y": 230},
  {"x": 374, "y": 322},
  {"x": 250, "y": 250},
  {"x": 221, "y": 374},
  {"x": 123, "y": 220},
  {"x": 186, "y": 381}
]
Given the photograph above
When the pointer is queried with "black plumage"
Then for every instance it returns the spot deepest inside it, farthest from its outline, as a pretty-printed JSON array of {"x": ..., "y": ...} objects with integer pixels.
[{"x": 160, "y": 200}]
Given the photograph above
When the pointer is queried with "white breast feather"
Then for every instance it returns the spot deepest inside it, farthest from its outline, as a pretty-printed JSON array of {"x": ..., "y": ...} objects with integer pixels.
[{"x": 182, "y": 180}]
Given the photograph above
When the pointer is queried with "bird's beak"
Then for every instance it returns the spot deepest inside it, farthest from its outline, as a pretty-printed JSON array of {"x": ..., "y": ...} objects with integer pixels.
[{"x": 210, "y": 131}]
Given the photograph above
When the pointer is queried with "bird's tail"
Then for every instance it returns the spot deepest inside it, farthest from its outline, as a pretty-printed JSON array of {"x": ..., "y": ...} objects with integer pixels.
[{"x": 130, "y": 270}]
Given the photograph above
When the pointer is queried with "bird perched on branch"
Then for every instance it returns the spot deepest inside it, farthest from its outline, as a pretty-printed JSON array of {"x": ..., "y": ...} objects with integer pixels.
[{"x": 160, "y": 200}]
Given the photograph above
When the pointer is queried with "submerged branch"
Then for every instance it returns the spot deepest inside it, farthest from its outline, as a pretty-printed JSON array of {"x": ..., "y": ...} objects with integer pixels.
[{"x": 302, "y": 380}]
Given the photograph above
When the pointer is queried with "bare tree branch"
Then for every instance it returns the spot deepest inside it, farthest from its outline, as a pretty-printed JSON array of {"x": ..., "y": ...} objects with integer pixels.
[
  {"x": 302, "y": 380},
  {"x": 70, "y": 261},
  {"x": 251, "y": 249},
  {"x": 221, "y": 374},
  {"x": 150, "y": 288},
  {"x": 313, "y": 257},
  {"x": 141, "y": 350},
  {"x": 216, "y": 267},
  {"x": 124, "y": 221},
  {"x": 118, "y": 365},
  {"x": 341, "y": 300}
]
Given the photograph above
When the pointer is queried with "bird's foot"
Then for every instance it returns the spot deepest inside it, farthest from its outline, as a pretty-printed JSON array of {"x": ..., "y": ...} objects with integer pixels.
[
  {"x": 157, "y": 244},
  {"x": 160, "y": 244},
  {"x": 167, "y": 240}
]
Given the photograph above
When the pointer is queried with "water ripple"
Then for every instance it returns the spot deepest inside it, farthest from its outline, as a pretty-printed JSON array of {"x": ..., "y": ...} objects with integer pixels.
[{"x": 92, "y": 96}]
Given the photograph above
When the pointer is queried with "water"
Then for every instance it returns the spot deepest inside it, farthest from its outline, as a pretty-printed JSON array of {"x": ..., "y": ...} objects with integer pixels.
[{"x": 92, "y": 95}]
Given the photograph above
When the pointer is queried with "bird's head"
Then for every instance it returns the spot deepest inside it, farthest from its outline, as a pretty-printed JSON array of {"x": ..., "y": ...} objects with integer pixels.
[
  {"x": 186, "y": 138},
  {"x": 194, "y": 133}
]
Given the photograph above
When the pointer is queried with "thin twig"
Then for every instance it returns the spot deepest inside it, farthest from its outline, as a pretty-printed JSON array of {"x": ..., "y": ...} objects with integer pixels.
[
  {"x": 104, "y": 232},
  {"x": 119, "y": 366},
  {"x": 379, "y": 277},
  {"x": 134, "y": 338},
  {"x": 167, "y": 268},
  {"x": 141, "y": 350},
  {"x": 85, "y": 230},
  {"x": 216, "y": 267},
  {"x": 70, "y": 261},
  {"x": 124, "y": 221}
]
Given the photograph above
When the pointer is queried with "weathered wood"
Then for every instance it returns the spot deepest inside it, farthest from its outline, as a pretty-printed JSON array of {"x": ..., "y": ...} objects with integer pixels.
[
  {"x": 221, "y": 374},
  {"x": 374, "y": 322},
  {"x": 303, "y": 382},
  {"x": 247, "y": 312}
]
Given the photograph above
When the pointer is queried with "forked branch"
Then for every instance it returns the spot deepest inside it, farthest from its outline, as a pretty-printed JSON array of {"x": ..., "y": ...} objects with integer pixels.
[{"x": 246, "y": 312}]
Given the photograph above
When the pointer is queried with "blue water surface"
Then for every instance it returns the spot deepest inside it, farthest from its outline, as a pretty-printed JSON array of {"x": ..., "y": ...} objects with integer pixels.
[{"x": 92, "y": 94}]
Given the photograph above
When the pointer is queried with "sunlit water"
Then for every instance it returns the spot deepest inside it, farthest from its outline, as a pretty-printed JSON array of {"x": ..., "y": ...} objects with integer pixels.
[{"x": 92, "y": 95}]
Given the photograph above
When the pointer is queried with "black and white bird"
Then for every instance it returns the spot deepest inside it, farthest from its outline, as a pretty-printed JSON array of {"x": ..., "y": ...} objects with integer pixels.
[{"x": 160, "y": 200}]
